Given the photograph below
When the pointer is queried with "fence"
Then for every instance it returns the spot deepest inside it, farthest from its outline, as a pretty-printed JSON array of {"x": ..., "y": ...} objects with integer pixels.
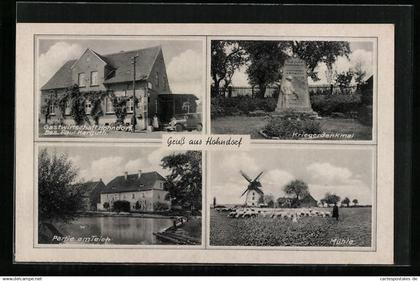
[{"x": 273, "y": 91}]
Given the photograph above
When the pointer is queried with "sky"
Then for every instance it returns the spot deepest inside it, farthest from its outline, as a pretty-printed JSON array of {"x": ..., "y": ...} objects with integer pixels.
[
  {"x": 184, "y": 59},
  {"x": 107, "y": 162},
  {"x": 345, "y": 172},
  {"x": 361, "y": 52}
]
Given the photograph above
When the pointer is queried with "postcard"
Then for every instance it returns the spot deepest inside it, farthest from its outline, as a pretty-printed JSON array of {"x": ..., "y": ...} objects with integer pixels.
[{"x": 204, "y": 143}]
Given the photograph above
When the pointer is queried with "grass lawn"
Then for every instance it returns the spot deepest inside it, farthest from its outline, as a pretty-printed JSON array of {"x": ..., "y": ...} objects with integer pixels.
[
  {"x": 252, "y": 125},
  {"x": 354, "y": 224}
]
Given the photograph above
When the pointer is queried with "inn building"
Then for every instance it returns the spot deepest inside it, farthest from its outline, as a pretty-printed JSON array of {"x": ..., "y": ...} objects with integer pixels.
[
  {"x": 144, "y": 191},
  {"x": 113, "y": 73}
]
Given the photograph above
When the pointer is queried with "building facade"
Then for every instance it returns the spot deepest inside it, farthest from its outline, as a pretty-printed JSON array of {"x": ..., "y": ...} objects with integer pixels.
[
  {"x": 91, "y": 194},
  {"x": 144, "y": 192},
  {"x": 254, "y": 197},
  {"x": 112, "y": 73}
]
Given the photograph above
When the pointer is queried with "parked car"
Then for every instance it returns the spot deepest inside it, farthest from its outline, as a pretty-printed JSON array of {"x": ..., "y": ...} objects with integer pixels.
[{"x": 187, "y": 121}]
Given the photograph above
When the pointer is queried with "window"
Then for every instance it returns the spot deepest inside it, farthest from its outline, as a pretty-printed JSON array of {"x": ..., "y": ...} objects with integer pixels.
[
  {"x": 94, "y": 78},
  {"x": 158, "y": 196},
  {"x": 67, "y": 111},
  {"x": 109, "y": 106},
  {"x": 88, "y": 107},
  {"x": 82, "y": 80},
  {"x": 132, "y": 196},
  {"x": 130, "y": 106},
  {"x": 52, "y": 108},
  {"x": 157, "y": 79},
  {"x": 161, "y": 184}
]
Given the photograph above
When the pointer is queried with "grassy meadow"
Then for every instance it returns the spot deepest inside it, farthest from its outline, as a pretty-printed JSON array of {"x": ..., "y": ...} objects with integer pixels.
[{"x": 354, "y": 224}]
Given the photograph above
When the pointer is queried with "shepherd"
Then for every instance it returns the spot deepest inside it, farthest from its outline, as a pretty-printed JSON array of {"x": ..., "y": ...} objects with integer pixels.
[{"x": 335, "y": 211}]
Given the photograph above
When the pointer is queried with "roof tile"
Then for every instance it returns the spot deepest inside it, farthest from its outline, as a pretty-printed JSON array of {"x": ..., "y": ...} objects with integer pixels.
[
  {"x": 133, "y": 183},
  {"x": 120, "y": 62}
]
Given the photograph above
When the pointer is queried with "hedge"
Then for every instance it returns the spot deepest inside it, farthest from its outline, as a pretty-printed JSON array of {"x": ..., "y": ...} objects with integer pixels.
[
  {"x": 325, "y": 105},
  {"x": 285, "y": 128},
  {"x": 121, "y": 206},
  {"x": 225, "y": 106}
]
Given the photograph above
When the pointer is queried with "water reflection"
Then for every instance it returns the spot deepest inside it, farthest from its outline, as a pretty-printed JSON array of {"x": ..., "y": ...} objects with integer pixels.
[{"x": 121, "y": 230}]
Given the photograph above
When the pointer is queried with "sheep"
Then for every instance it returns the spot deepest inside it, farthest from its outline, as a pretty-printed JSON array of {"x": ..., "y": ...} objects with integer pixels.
[{"x": 231, "y": 214}]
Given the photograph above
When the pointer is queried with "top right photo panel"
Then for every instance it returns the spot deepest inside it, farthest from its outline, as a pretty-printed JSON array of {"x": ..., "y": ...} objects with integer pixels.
[{"x": 294, "y": 89}]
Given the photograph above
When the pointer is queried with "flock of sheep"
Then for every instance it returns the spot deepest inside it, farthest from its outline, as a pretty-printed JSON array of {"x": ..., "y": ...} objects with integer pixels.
[{"x": 291, "y": 214}]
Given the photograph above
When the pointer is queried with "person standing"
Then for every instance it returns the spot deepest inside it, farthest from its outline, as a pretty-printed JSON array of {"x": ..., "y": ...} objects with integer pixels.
[
  {"x": 133, "y": 123},
  {"x": 155, "y": 123},
  {"x": 335, "y": 213}
]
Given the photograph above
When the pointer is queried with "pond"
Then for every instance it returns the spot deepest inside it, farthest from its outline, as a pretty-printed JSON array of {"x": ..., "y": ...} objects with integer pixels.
[{"x": 120, "y": 230}]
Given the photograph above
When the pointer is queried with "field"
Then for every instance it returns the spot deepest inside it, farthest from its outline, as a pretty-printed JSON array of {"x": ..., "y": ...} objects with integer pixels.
[
  {"x": 246, "y": 125},
  {"x": 354, "y": 225}
]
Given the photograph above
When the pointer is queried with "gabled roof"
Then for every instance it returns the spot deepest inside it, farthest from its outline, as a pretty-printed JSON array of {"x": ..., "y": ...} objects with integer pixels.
[
  {"x": 307, "y": 198},
  {"x": 62, "y": 78},
  {"x": 133, "y": 183},
  {"x": 119, "y": 62},
  {"x": 91, "y": 187}
]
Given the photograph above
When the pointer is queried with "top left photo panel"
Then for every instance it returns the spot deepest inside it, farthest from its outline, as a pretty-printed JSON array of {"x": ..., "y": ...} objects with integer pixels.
[{"x": 115, "y": 87}]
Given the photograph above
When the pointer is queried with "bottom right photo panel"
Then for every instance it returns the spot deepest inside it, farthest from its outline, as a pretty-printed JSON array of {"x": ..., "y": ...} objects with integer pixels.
[{"x": 293, "y": 196}]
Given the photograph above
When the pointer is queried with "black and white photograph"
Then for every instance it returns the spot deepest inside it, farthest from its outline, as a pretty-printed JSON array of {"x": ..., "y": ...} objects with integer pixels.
[
  {"x": 293, "y": 89},
  {"x": 292, "y": 197},
  {"x": 119, "y": 195},
  {"x": 119, "y": 88},
  {"x": 203, "y": 143}
]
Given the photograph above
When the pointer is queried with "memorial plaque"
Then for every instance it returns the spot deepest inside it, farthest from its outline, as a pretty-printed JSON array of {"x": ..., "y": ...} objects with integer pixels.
[{"x": 294, "y": 94}]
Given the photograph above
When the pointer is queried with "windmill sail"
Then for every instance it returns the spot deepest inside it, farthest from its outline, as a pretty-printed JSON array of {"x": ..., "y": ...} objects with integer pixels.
[{"x": 246, "y": 177}]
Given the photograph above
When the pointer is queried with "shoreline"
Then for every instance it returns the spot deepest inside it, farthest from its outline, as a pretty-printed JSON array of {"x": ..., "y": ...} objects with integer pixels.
[{"x": 132, "y": 215}]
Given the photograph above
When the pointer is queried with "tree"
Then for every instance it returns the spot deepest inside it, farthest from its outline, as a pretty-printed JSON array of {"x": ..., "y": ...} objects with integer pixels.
[
  {"x": 343, "y": 80},
  {"x": 359, "y": 74},
  {"x": 346, "y": 201},
  {"x": 355, "y": 202},
  {"x": 265, "y": 60},
  {"x": 331, "y": 198},
  {"x": 315, "y": 52},
  {"x": 298, "y": 188},
  {"x": 226, "y": 58},
  {"x": 185, "y": 180},
  {"x": 269, "y": 200},
  {"x": 58, "y": 198}
]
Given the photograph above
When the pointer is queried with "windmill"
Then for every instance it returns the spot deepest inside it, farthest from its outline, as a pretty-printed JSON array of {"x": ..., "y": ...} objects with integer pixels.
[{"x": 253, "y": 192}]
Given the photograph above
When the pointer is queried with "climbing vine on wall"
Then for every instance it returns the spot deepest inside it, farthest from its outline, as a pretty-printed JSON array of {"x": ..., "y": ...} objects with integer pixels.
[
  {"x": 96, "y": 99},
  {"x": 120, "y": 107},
  {"x": 46, "y": 108},
  {"x": 78, "y": 101}
]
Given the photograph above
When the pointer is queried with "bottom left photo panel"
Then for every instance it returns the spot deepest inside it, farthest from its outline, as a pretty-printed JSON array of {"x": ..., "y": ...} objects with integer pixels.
[{"x": 94, "y": 194}]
